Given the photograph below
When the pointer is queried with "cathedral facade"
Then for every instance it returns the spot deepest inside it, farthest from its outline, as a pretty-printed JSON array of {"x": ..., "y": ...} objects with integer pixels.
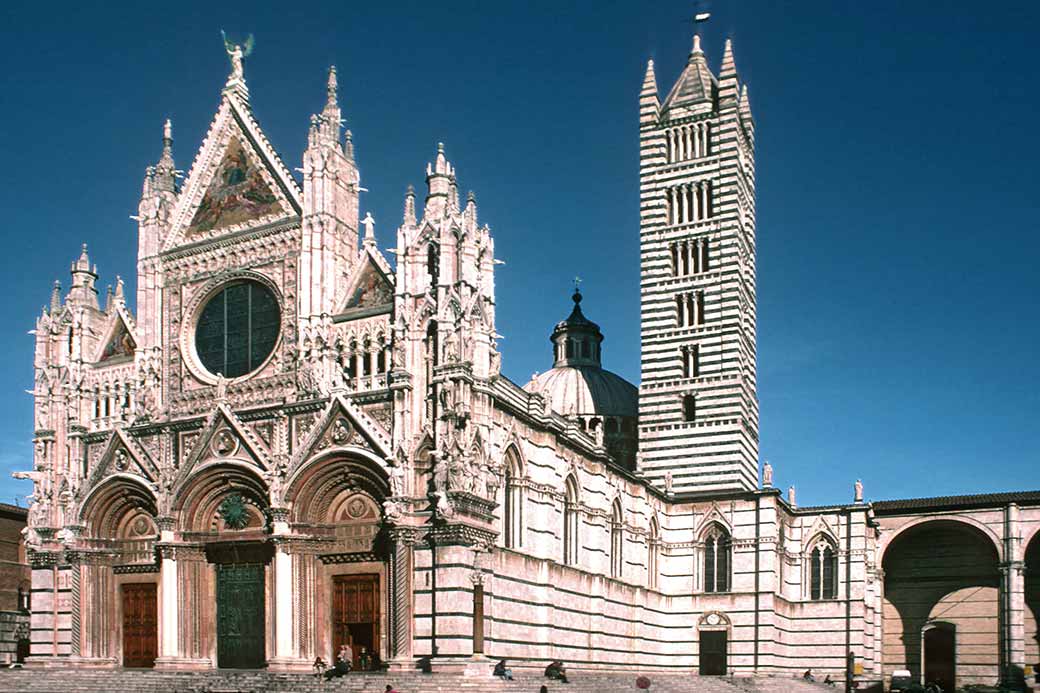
[{"x": 295, "y": 443}]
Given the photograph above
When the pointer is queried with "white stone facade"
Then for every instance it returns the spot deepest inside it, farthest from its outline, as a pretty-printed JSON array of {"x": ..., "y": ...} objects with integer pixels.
[{"x": 376, "y": 477}]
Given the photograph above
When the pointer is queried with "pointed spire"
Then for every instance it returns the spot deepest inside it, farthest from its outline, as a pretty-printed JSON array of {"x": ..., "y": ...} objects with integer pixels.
[
  {"x": 729, "y": 66},
  {"x": 728, "y": 90},
  {"x": 696, "y": 83},
  {"x": 370, "y": 234},
  {"x": 108, "y": 299},
  {"x": 164, "y": 174},
  {"x": 56, "y": 297},
  {"x": 409, "y": 206},
  {"x": 440, "y": 163},
  {"x": 649, "y": 79},
  {"x": 348, "y": 146},
  {"x": 649, "y": 103},
  {"x": 331, "y": 88},
  {"x": 744, "y": 104},
  {"x": 83, "y": 263}
]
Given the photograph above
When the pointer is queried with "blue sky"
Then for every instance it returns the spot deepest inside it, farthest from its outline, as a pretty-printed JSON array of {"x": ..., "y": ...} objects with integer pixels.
[{"x": 897, "y": 211}]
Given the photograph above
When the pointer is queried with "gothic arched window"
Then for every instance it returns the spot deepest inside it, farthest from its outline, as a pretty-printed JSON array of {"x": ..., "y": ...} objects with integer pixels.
[
  {"x": 652, "y": 548},
  {"x": 514, "y": 503},
  {"x": 570, "y": 522},
  {"x": 717, "y": 560},
  {"x": 823, "y": 571},
  {"x": 616, "y": 540}
]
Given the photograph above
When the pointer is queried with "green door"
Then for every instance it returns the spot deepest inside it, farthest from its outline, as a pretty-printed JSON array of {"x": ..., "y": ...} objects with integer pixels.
[{"x": 240, "y": 616}]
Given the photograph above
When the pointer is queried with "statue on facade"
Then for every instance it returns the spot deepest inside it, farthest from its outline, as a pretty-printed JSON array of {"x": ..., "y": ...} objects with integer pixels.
[
  {"x": 859, "y": 491},
  {"x": 236, "y": 52},
  {"x": 767, "y": 474},
  {"x": 668, "y": 483}
]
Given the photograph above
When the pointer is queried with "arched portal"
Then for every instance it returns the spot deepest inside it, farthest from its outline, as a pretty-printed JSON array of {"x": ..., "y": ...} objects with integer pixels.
[
  {"x": 1032, "y": 595},
  {"x": 942, "y": 585},
  {"x": 117, "y": 583},
  {"x": 339, "y": 497}
]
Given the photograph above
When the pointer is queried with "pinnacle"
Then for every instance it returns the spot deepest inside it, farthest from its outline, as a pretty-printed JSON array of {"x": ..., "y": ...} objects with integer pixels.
[
  {"x": 333, "y": 86},
  {"x": 729, "y": 66},
  {"x": 697, "y": 44}
]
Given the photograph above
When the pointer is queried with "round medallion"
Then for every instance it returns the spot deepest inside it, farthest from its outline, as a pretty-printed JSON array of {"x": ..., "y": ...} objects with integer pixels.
[
  {"x": 224, "y": 443},
  {"x": 340, "y": 432},
  {"x": 356, "y": 508},
  {"x": 713, "y": 619},
  {"x": 141, "y": 527},
  {"x": 237, "y": 328},
  {"x": 122, "y": 461}
]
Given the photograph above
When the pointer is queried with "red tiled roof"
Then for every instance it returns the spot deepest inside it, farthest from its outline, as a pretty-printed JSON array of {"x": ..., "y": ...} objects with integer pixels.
[{"x": 981, "y": 500}]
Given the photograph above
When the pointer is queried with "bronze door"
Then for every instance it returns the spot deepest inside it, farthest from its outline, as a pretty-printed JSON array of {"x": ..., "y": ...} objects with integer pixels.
[
  {"x": 240, "y": 616},
  {"x": 140, "y": 624},
  {"x": 713, "y": 653},
  {"x": 355, "y": 614}
]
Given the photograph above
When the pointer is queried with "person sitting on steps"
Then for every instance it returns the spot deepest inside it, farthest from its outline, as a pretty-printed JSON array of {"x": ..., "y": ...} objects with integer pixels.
[
  {"x": 502, "y": 671},
  {"x": 344, "y": 660},
  {"x": 556, "y": 671}
]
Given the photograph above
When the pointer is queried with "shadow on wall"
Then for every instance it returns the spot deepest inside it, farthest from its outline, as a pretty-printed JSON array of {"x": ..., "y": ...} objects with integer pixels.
[{"x": 942, "y": 581}]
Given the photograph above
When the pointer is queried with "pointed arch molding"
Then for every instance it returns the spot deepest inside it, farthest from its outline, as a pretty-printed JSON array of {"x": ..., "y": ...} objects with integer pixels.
[
  {"x": 106, "y": 504},
  {"x": 714, "y": 517},
  {"x": 233, "y": 119},
  {"x": 240, "y": 440},
  {"x": 123, "y": 456},
  {"x": 317, "y": 439}
]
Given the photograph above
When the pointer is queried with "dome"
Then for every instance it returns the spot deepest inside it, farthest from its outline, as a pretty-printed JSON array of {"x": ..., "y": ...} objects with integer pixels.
[
  {"x": 577, "y": 385},
  {"x": 586, "y": 391}
]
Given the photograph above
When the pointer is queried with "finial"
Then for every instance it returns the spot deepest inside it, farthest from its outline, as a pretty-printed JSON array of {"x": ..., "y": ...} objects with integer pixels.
[
  {"x": 471, "y": 197},
  {"x": 411, "y": 190},
  {"x": 440, "y": 147},
  {"x": 119, "y": 288},
  {"x": 348, "y": 145},
  {"x": 577, "y": 291},
  {"x": 697, "y": 44},
  {"x": 56, "y": 296},
  {"x": 332, "y": 85},
  {"x": 167, "y": 132},
  {"x": 108, "y": 299}
]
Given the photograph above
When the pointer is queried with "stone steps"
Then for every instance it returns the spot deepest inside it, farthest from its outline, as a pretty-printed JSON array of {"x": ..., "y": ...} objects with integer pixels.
[{"x": 61, "y": 680}]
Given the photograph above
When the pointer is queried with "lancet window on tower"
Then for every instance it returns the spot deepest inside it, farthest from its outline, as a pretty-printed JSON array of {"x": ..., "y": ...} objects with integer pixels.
[
  {"x": 690, "y": 141},
  {"x": 570, "y": 522},
  {"x": 652, "y": 549},
  {"x": 691, "y": 367},
  {"x": 689, "y": 307},
  {"x": 689, "y": 256},
  {"x": 689, "y": 202}
]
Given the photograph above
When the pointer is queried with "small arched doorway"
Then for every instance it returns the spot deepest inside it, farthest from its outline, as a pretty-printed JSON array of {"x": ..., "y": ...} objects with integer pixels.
[
  {"x": 939, "y": 654},
  {"x": 714, "y": 645}
]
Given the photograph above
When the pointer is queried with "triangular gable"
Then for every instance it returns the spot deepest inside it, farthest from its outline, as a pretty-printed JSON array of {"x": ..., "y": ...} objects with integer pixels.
[
  {"x": 123, "y": 456},
  {"x": 342, "y": 424},
  {"x": 224, "y": 436},
  {"x": 237, "y": 180},
  {"x": 370, "y": 290},
  {"x": 119, "y": 343}
]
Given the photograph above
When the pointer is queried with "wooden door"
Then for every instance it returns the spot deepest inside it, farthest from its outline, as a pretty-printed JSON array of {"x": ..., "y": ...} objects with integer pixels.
[
  {"x": 240, "y": 616},
  {"x": 940, "y": 657},
  {"x": 713, "y": 653},
  {"x": 140, "y": 624},
  {"x": 355, "y": 614}
]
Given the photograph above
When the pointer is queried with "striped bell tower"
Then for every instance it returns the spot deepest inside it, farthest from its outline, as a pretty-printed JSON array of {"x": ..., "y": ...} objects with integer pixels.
[{"x": 698, "y": 405}]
